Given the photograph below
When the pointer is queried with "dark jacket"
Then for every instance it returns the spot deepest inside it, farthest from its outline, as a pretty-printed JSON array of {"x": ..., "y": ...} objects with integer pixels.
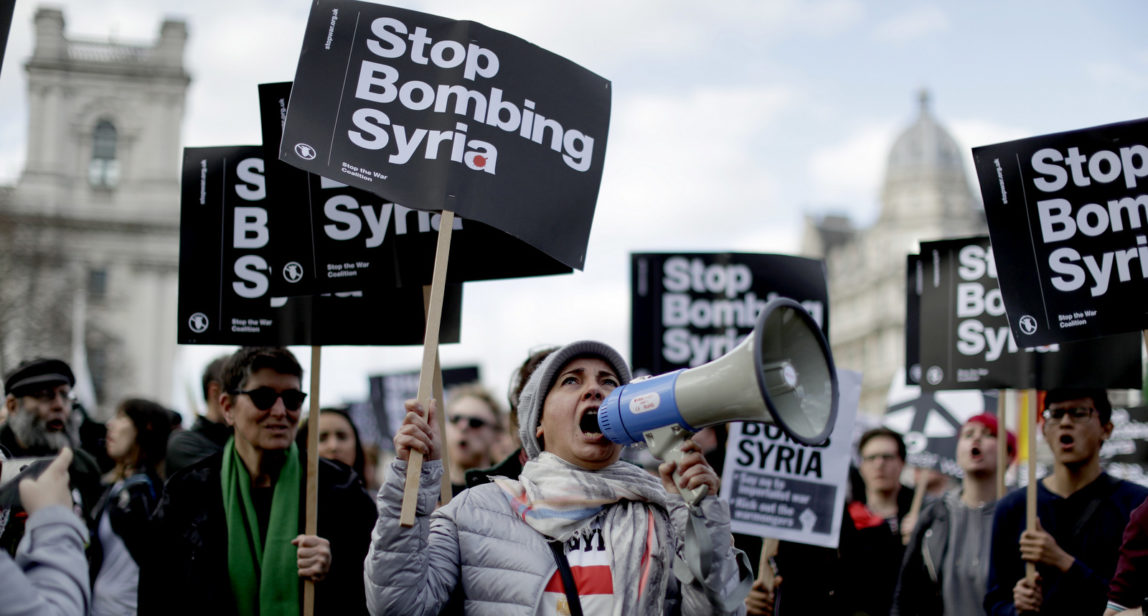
[
  {"x": 187, "y": 567},
  {"x": 186, "y": 447},
  {"x": 83, "y": 476},
  {"x": 1088, "y": 524},
  {"x": 919, "y": 587}
]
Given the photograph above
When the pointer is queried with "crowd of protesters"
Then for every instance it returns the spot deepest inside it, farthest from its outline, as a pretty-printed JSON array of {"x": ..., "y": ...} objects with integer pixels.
[{"x": 547, "y": 517}]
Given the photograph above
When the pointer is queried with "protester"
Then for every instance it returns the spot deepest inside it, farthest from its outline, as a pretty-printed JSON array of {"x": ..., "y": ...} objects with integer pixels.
[
  {"x": 472, "y": 429},
  {"x": 338, "y": 440},
  {"x": 579, "y": 529},
  {"x": 511, "y": 465},
  {"x": 49, "y": 576},
  {"x": 1081, "y": 513},
  {"x": 946, "y": 563},
  {"x": 38, "y": 398},
  {"x": 1128, "y": 587},
  {"x": 228, "y": 528},
  {"x": 209, "y": 433},
  {"x": 136, "y": 441}
]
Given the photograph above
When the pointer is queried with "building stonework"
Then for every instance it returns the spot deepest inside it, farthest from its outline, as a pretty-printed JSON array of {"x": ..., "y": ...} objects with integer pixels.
[
  {"x": 89, "y": 234},
  {"x": 926, "y": 195}
]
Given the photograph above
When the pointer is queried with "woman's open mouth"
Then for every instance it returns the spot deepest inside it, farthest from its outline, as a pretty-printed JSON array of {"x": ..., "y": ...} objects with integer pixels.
[{"x": 589, "y": 422}]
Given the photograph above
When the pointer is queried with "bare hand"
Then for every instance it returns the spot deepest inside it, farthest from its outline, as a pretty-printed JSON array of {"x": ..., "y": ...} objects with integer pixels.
[
  {"x": 761, "y": 598},
  {"x": 313, "y": 557},
  {"x": 693, "y": 471},
  {"x": 1037, "y": 546},
  {"x": 418, "y": 433},
  {"x": 50, "y": 488},
  {"x": 1027, "y": 596}
]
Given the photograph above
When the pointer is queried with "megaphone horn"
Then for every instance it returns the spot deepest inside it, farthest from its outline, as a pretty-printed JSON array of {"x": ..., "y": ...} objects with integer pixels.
[{"x": 782, "y": 374}]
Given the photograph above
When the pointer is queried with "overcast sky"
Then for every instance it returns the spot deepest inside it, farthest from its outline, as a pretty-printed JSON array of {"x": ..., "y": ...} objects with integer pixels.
[{"x": 731, "y": 121}]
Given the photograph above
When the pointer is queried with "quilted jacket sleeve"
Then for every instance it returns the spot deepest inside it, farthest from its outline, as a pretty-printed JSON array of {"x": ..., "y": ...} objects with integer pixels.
[
  {"x": 724, "y": 574},
  {"x": 411, "y": 570}
]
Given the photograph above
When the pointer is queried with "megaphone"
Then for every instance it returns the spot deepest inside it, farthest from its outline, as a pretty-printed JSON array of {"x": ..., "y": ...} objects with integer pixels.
[{"x": 782, "y": 374}]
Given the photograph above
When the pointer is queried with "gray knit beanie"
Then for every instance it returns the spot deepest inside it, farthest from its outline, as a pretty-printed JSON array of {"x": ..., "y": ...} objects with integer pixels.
[{"x": 534, "y": 394}]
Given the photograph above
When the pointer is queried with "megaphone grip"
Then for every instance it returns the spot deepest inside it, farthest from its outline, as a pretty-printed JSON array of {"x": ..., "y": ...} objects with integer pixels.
[{"x": 665, "y": 443}]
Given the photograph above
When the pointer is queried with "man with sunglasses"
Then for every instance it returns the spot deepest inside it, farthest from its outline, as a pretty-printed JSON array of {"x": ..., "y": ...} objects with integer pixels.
[
  {"x": 1081, "y": 513},
  {"x": 471, "y": 432},
  {"x": 229, "y": 528},
  {"x": 38, "y": 402}
]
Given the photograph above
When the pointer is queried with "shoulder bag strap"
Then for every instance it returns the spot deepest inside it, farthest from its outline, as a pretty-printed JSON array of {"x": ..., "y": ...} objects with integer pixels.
[{"x": 557, "y": 547}]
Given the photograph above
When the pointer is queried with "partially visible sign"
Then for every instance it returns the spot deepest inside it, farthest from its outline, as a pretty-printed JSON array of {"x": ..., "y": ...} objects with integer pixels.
[
  {"x": 228, "y": 256},
  {"x": 914, "y": 284},
  {"x": 1068, "y": 217},
  {"x": 781, "y": 489},
  {"x": 968, "y": 344},
  {"x": 1125, "y": 454},
  {"x": 438, "y": 114},
  {"x": 7, "y": 7},
  {"x": 344, "y": 238},
  {"x": 691, "y": 308},
  {"x": 390, "y": 391}
]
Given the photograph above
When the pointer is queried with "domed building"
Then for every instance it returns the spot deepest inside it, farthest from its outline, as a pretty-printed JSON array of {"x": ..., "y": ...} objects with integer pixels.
[{"x": 926, "y": 195}]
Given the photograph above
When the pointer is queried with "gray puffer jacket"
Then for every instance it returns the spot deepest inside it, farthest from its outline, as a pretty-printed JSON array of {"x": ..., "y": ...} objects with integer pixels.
[{"x": 501, "y": 563}]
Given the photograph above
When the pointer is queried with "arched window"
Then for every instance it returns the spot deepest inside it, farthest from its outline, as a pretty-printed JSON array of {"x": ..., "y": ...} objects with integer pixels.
[{"x": 104, "y": 170}]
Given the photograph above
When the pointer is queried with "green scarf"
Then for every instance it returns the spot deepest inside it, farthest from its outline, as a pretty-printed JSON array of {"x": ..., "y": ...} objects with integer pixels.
[{"x": 264, "y": 578}]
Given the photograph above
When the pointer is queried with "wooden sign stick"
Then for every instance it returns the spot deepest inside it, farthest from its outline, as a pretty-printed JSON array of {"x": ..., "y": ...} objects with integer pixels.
[
  {"x": 430, "y": 353},
  {"x": 918, "y": 498},
  {"x": 1030, "y": 505},
  {"x": 311, "y": 526},
  {"x": 1002, "y": 442},
  {"x": 765, "y": 574},
  {"x": 436, "y": 389}
]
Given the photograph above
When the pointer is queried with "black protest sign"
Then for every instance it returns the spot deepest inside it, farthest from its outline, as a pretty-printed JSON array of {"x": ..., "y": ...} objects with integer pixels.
[
  {"x": 438, "y": 114},
  {"x": 965, "y": 337},
  {"x": 228, "y": 256},
  {"x": 691, "y": 308},
  {"x": 914, "y": 281},
  {"x": 7, "y": 7},
  {"x": 356, "y": 239},
  {"x": 1068, "y": 219},
  {"x": 390, "y": 391}
]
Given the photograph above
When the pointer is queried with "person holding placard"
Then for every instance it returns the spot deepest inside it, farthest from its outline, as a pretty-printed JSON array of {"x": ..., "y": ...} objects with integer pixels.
[
  {"x": 1081, "y": 513},
  {"x": 579, "y": 532},
  {"x": 228, "y": 528},
  {"x": 945, "y": 570}
]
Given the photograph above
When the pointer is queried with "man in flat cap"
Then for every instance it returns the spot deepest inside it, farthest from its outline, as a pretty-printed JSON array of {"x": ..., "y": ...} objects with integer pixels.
[{"x": 38, "y": 402}]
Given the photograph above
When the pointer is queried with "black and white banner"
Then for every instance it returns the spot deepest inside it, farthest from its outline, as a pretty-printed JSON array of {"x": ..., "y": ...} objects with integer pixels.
[
  {"x": 354, "y": 239},
  {"x": 965, "y": 342},
  {"x": 691, "y": 308},
  {"x": 1069, "y": 221},
  {"x": 438, "y": 114},
  {"x": 229, "y": 255}
]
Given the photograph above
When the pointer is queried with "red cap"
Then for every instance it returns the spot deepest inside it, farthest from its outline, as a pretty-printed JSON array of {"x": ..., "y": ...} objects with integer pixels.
[{"x": 990, "y": 421}]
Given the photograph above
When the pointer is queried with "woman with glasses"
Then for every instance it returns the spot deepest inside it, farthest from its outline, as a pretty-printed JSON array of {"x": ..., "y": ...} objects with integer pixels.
[
  {"x": 230, "y": 528},
  {"x": 136, "y": 441},
  {"x": 472, "y": 431}
]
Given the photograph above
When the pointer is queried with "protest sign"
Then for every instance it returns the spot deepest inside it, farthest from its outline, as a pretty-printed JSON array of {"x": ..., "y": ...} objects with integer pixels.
[
  {"x": 968, "y": 344},
  {"x": 228, "y": 256},
  {"x": 1067, "y": 217},
  {"x": 356, "y": 239},
  {"x": 389, "y": 392},
  {"x": 691, "y": 308},
  {"x": 7, "y": 7},
  {"x": 781, "y": 489},
  {"x": 914, "y": 282},
  {"x": 438, "y": 114},
  {"x": 930, "y": 422},
  {"x": 1125, "y": 454}
]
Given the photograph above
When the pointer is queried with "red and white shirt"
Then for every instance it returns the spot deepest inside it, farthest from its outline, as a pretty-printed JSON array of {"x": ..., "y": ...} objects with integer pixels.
[{"x": 590, "y": 566}]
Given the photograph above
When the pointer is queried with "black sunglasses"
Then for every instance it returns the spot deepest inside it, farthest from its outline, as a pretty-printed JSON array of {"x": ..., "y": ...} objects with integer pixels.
[
  {"x": 474, "y": 422},
  {"x": 264, "y": 398}
]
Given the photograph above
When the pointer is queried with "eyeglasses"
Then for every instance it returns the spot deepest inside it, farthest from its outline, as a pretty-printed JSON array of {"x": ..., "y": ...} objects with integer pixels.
[
  {"x": 264, "y": 398},
  {"x": 1078, "y": 414},
  {"x": 474, "y": 422},
  {"x": 880, "y": 457}
]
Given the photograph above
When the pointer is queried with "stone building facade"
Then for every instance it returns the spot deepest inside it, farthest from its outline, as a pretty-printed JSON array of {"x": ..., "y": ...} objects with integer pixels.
[{"x": 89, "y": 234}]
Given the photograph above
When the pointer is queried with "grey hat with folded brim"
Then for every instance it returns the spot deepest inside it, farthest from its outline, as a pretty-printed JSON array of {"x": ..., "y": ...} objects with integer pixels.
[{"x": 534, "y": 393}]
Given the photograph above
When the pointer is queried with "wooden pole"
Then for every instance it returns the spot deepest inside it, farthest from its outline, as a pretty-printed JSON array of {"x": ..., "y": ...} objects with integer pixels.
[
  {"x": 311, "y": 526},
  {"x": 918, "y": 498},
  {"x": 446, "y": 491},
  {"x": 1002, "y": 442},
  {"x": 430, "y": 353},
  {"x": 1030, "y": 519},
  {"x": 765, "y": 575}
]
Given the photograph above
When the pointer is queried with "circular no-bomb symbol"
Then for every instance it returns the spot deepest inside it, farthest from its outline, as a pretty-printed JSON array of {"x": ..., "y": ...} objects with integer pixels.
[
  {"x": 304, "y": 151},
  {"x": 198, "y": 322},
  {"x": 293, "y": 272},
  {"x": 1028, "y": 324},
  {"x": 934, "y": 375}
]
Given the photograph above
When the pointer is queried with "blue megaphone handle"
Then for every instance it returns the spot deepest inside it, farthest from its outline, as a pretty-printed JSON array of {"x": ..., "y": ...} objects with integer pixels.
[{"x": 635, "y": 408}]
